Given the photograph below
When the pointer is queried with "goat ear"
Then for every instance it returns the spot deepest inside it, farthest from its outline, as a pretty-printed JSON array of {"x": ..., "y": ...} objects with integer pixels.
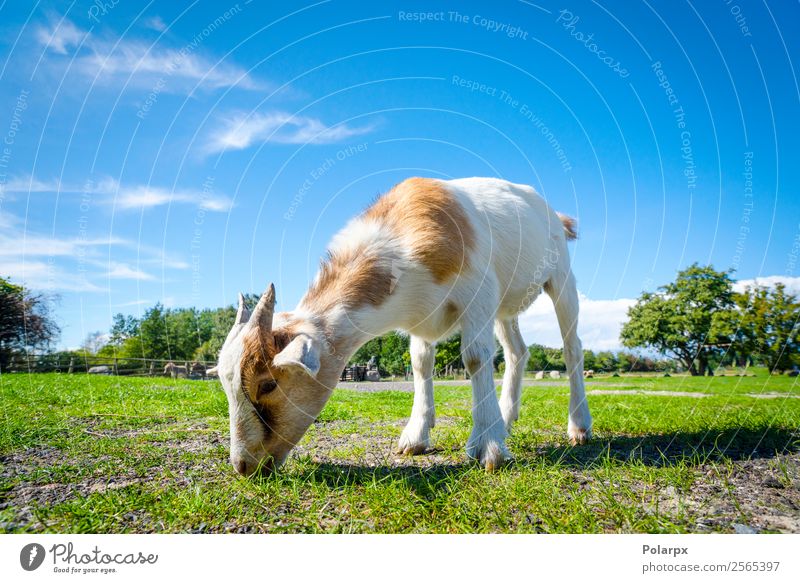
[
  {"x": 243, "y": 313},
  {"x": 302, "y": 354},
  {"x": 262, "y": 315}
]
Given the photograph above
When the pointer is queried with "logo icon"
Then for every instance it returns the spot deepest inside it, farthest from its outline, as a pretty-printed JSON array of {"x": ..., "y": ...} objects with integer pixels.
[{"x": 31, "y": 556}]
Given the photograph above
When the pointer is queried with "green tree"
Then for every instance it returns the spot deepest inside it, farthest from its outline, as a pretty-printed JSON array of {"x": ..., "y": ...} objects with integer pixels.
[
  {"x": 122, "y": 328},
  {"x": 687, "y": 319},
  {"x": 769, "y": 326},
  {"x": 448, "y": 353},
  {"x": 153, "y": 333},
  {"x": 25, "y": 321}
]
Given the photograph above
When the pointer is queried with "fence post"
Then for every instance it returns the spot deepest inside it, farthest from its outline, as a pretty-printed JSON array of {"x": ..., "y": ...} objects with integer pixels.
[
  {"x": 152, "y": 368},
  {"x": 71, "y": 364},
  {"x": 116, "y": 367}
]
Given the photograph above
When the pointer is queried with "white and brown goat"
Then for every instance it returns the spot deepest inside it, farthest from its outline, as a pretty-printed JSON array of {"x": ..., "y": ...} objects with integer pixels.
[{"x": 430, "y": 257}]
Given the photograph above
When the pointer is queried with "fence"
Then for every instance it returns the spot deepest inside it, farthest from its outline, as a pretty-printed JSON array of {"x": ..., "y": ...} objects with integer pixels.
[{"x": 70, "y": 364}]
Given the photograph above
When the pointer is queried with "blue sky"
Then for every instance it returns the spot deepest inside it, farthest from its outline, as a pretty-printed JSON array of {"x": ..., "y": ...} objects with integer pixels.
[{"x": 181, "y": 152}]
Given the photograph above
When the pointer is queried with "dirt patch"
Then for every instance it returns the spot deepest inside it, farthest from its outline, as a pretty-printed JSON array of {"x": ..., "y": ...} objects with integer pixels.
[
  {"x": 35, "y": 477},
  {"x": 758, "y": 495}
]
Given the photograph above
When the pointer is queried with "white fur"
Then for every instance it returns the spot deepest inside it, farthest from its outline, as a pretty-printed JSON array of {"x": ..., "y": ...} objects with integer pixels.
[{"x": 520, "y": 249}]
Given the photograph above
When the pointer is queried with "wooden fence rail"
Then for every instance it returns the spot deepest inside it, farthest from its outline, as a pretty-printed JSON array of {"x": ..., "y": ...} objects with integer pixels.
[{"x": 70, "y": 364}]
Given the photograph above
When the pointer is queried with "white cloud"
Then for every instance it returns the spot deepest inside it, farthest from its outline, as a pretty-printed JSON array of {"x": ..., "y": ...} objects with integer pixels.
[
  {"x": 124, "y": 271},
  {"x": 240, "y": 130},
  {"x": 125, "y": 196},
  {"x": 46, "y": 276},
  {"x": 155, "y": 23},
  {"x": 792, "y": 283},
  {"x": 599, "y": 322},
  {"x": 18, "y": 244},
  {"x": 59, "y": 36},
  {"x": 117, "y": 62}
]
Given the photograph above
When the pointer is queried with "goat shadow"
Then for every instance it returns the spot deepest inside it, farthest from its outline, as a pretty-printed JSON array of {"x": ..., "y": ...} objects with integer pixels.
[{"x": 656, "y": 450}]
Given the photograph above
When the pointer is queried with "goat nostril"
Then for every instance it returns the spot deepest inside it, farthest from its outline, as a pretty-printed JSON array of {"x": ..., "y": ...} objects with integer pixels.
[{"x": 241, "y": 467}]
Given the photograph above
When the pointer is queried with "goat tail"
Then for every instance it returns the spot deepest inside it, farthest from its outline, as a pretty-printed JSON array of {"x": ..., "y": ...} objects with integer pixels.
[{"x": 570, "y": 227}]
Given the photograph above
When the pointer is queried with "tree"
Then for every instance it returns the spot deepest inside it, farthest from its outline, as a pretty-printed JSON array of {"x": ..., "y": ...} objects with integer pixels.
[
  {"x": 769, "y": 326},
  {"x": 688, "y": 319},
  {"x": 122, "y": 328},
  {"x": 448, "y": 353},
  {"x": 94, "y": 342},
  {"x": 153, "y": 333},
  {"x": 25, "y": 321}
]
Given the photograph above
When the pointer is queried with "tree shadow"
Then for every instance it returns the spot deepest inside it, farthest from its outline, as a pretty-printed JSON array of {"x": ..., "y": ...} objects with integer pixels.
[{"x": 659, "y": 450}]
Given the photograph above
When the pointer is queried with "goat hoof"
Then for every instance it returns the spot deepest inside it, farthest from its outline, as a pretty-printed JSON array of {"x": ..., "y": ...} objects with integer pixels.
[
  {"x": 579, "y": 436},
  {"x": 412, "y": 449}
]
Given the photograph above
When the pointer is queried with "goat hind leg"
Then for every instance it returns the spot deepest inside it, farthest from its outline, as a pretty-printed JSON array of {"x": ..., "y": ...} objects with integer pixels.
[{"x": 561, "y": 289}]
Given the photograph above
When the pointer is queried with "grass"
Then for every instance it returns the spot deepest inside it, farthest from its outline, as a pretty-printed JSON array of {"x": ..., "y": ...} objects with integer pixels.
[{"x": 83, "y": 453}]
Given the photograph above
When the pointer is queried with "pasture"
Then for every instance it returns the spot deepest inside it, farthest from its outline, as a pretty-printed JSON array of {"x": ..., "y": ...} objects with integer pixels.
[{"x": 82, "y": 453}]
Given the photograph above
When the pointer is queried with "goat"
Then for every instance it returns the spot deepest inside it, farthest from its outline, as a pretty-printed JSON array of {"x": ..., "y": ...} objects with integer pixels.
[
  {"x": 430, "y": 257},
  {"x": 175, "y": 371}
]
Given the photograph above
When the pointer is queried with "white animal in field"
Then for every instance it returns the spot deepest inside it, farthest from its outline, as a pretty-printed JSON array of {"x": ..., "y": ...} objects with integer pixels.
[
  {"x": 540, "y": 375},
  {"x": 554, "y": 374},
  {"x": 430, "y": 257},
  {"x": 174, "y": 370}
]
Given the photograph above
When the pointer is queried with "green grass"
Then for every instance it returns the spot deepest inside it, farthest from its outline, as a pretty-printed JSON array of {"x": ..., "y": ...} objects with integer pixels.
[{"x": 102, "y": 454}]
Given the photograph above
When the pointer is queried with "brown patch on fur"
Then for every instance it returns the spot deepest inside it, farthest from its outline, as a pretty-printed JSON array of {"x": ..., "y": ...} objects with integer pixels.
[
  {"x": 351, "y": 279},
  {"x": 570, "y": 227},
  {"x": 259, "y": 349},
  {"x": 429, "y": 217},
  {"x": 450, "y": 312},
  {"x": 473, "y": 364}
]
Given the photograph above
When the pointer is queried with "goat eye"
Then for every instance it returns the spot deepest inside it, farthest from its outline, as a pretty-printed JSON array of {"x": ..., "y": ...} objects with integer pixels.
[{"x": 267, "y": 386}]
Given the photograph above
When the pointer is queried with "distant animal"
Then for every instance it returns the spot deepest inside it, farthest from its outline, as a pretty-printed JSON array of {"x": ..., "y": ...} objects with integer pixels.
[
  {"x": 588, "y": 374},
  {"x": 175, "y": 371},
  {"x": 540, "y": 375},
  {"x": 554, "y": 374},
  {"x": 373, "y": 375},
  {"x": 197, "y": 370},
  {"x": 99, "y": 370},
  {"x": 430, "y": 257}
]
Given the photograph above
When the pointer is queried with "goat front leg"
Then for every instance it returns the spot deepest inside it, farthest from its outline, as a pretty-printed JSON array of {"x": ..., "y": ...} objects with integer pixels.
[
  {"x": 415, "y": 438},
  {"x": 487, "y": 442}
]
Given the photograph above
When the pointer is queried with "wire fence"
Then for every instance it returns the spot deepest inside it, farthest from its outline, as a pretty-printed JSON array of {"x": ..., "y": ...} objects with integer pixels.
[{"x": 107, "y": 365}]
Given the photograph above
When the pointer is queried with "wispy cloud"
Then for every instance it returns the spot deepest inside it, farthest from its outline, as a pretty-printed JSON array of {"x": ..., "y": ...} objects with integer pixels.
[
  {"x": 114, "y": 61},
  {"x": 241, "y": 130},
  {"x": 125, "y": 196},
  {"x": 155, "y": 23},
  {"x": 599, "y": 323},
  {"x": 46, "y": 276},
  {"x": 124, "y": 271},
  {"x": 59, "y": 35}
]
